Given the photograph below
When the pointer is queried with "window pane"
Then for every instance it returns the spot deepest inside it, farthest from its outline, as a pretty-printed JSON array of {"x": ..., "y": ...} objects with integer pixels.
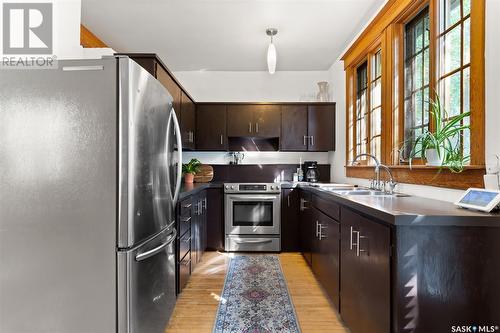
[
  {"x": 466, "y": 90},
  {"x": 467, "y": 41},
  {"x": 466, "y": 4},
  {"x": 418, "y": 108},
  {"x": 376, "y": 93},
  {"x": 451, "y": 94},
  {"x": 426, "y": 69},
  {"x": 426, "y": 98},
  {"x": 376, "y": 123},
  {"x": 451, "y": 13},
  {"x": 375, "y": 147},
  {"x": 466, "y": 138},
  {"x": 451, "y": 44},
  {"x": 419, "y": 36},
  {"x": 377, "y": 65},
  {"x": 417, "y": 77},
  {"x": 418, "y": 71},
  {"x": 427, "y": 32}
]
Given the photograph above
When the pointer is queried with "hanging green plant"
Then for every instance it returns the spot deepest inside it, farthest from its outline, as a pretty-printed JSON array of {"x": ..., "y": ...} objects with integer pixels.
[{"x": 442, "y": 147}]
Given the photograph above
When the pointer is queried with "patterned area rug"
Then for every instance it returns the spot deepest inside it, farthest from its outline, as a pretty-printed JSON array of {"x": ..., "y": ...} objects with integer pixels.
[{"x": 255, "y": 298}]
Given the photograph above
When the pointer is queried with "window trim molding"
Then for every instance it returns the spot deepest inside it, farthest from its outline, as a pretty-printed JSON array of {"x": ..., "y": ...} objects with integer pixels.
[{"x": 386, "y": 29}]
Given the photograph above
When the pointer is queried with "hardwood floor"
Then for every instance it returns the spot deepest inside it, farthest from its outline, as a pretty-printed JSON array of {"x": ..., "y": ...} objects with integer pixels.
[{"x": 197, "y": 305}]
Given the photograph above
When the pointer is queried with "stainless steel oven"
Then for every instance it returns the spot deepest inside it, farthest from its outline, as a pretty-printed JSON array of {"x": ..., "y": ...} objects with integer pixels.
[{"x": 252, "y": 217}]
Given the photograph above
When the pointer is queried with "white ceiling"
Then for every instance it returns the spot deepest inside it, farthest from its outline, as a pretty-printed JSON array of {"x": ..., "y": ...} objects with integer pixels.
[{"x": 229, "y": 35}]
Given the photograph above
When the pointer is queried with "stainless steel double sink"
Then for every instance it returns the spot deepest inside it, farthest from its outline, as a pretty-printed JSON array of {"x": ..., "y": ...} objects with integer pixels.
[{"x": 359, "y": 191}]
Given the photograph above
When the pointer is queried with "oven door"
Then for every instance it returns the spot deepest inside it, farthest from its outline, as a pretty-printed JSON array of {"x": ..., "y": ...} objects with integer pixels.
[{"x": 248, "y": 214}]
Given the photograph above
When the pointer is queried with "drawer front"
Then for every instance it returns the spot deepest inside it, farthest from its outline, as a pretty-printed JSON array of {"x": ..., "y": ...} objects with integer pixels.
[
  {"x": 184, "y": 244},
  {"x": 186, "y": 207},
  {"x": 184, "y": 271},
  {"x": 252, "y": 244},
  {"x": 184, "y": 224},
  {"x": 328, "y": 207}
]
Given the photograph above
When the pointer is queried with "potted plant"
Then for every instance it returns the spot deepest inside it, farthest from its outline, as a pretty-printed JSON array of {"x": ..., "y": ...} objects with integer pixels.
[
  {"x": 190, "y": 169},
  {"x": 441, "y": 147}
]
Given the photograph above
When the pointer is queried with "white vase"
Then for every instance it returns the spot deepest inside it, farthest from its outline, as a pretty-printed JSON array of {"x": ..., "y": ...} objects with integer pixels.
[
  {"x": 323, "y": 94},
  {"x": 433, "y": 158}
]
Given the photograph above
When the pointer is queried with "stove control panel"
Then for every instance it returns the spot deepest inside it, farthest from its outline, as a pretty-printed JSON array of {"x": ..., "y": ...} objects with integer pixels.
[{"x": 252, "y": 188}]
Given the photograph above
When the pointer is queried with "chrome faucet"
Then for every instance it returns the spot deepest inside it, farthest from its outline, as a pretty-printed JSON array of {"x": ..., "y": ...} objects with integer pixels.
[
  {"x": 392, "y": 183},
  {"x": 377, "y": 169},
  {"x": 376, "y": 184}
]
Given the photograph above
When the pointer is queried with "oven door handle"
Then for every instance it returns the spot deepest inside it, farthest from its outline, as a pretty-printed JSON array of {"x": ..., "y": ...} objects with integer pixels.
[
  {"x": 253, "y": 241},
  {"x": 246, "y": 197}
]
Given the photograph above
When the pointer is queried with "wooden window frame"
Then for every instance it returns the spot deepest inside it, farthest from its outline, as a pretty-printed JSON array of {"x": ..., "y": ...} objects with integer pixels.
[
  {"x": 352, "y": 93},
  {"x": 387, "y": 30}
]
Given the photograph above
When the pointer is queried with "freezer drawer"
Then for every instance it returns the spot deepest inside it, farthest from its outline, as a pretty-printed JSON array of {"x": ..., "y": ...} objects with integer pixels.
[
  {"x": 146, "y": 285},
  {"x": 251, "y": 243},
  {"x": 184, "y": 271},
  {"x": 184, "y": 244}
]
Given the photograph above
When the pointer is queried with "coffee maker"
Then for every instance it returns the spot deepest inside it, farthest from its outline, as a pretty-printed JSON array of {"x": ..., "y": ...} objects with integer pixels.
[{"x": 311, "y": 171}]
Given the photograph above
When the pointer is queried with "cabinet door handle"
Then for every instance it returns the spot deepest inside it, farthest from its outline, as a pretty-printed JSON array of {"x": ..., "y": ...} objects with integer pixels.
[
  {"x": 320, "y": 234},
  {"x": 221, "y": 140},
  {"x": 249, "y": 127},
  {"x": 350, "y": 242},
  {"x": 288, "y": 200},
  {"x": 312, "y": 140},
  {"x": 359, "y": 250},
  {"x": 256, "y": 127},
  {"x": 318, "y": 226},
  {"x": 357, "y": 241},
  {"x": 305, "y": 138},
  {"x": 358, "y": 244},
  {"x": 303, "y": 204}
]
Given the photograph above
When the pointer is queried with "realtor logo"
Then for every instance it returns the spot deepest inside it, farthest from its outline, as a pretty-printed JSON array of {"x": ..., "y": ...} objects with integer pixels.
[{"x": 27, "y": 28}]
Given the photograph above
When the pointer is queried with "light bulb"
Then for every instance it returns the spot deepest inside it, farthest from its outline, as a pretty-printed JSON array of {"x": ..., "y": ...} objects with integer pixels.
[{"x": 271, "y": 58}]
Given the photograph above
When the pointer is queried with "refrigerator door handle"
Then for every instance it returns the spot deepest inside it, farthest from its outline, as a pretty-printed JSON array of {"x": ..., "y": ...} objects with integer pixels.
[
  {"x": 179, "y": 164},
  {"x": 152, "y": 252}
]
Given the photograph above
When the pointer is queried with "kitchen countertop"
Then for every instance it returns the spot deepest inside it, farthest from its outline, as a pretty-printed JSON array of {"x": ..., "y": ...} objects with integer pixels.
[
  {"x": 188, "y": 189},
  {"x": 411, "y": 210}
]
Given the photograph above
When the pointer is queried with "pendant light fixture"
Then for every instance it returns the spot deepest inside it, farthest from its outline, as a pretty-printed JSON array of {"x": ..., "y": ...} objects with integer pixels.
[{"x": 271, "y": 51}]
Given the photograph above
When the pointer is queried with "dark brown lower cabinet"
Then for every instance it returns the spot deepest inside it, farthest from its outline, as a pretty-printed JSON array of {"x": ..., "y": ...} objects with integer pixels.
[
  {"x": 192, "y": 235},
  {"x": 365, "y": 274},
  {"x": 306, "y": 226},
  {"x": 215, "y": 219},
  {"x": 326, "y": 254},
  {"x": 290, "y": 220},
  {"x": 199, "y": 227}
]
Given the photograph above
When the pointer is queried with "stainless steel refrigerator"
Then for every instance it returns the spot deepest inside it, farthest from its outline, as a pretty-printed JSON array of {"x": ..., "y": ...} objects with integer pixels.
[{"x": 90, "y": 172}]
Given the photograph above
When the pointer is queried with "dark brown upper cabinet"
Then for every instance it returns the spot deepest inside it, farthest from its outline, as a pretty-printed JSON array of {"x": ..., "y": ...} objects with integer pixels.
[
  {"x": 211, "y": 127},
  {"x": 240, "y": 120},
  {"x": 294, "y": 128},
  {"x": 267, "y": 119},
  {"x": 172, "y": 87},
  {"x": 188, "y": 121},
  {"x": 321, "y": 127},
  {"x": 253, "y": 120},
  {"x": 183, "y": 104},
  {"x": 308, "y": 127}
]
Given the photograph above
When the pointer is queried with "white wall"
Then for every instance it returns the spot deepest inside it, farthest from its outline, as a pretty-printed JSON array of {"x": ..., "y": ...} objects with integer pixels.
[
  {"x": 492, "y": 80},
  {"x": 257, "y": 157},
  {"x": 492, "y": 113},
  {"x": 215, "y": 86},
  {"x": 218, "y": 86}
]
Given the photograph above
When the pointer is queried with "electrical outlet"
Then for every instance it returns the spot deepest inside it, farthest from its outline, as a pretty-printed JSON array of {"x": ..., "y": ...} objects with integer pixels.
[{"x": 494, "y": 168}]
